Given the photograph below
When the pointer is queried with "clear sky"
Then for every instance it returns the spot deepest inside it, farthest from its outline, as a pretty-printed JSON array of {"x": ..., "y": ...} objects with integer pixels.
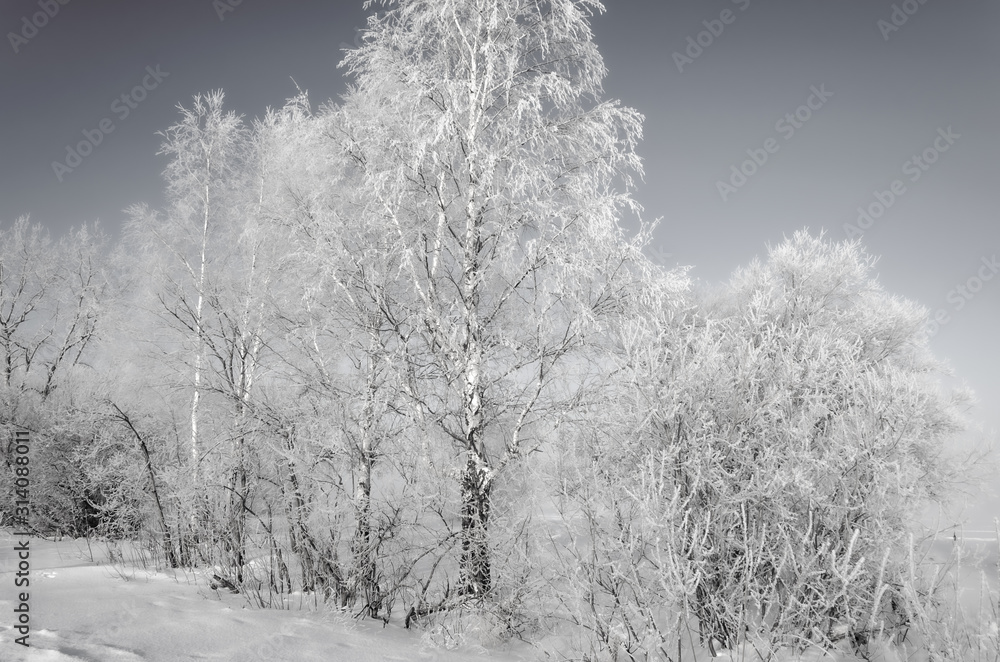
[{"x": 903, "y": 123}]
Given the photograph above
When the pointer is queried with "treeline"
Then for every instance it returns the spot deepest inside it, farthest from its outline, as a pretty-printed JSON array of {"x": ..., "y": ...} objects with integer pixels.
[{"x": 398, "y": 354}]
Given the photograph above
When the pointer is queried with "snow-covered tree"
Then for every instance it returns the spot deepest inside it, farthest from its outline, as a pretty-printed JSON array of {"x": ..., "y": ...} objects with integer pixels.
[
  {"x": 198, "y": 275},
  {"x": 49, "y": 302},
  {"x": 785, "y": 439},
  {"x": 203, "y": 151},
  {"x": 487, "y": 157},
  {"x": 53, "y": 298}
]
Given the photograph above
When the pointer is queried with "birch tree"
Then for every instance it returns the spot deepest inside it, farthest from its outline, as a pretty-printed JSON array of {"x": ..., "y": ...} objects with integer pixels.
[
  {"x": 339, "y": 340},
  {"x": 487, "y": 155},
  {"x": 179, "y": 257},
  {"x": 240, "y": 307},
  {"x": 202, "y": 149}
]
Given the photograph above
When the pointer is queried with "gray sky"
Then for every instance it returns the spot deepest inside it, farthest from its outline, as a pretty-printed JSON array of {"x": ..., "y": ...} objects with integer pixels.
[{"x": 903, "y": 124}]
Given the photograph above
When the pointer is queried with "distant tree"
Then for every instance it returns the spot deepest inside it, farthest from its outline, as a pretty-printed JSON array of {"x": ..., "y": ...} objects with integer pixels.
[
  {"x": 788, "y": 435},
  {"x": 53, "y": 297}
]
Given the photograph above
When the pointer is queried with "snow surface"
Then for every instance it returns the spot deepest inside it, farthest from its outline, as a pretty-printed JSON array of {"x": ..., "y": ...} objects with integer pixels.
[
  {"x": 98, "y": 612},
  {"x": 84, "y": 609}
]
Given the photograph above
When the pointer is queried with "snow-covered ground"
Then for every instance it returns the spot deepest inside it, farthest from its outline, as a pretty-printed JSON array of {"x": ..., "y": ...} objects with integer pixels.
[{"x": 86, "y": 611}]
